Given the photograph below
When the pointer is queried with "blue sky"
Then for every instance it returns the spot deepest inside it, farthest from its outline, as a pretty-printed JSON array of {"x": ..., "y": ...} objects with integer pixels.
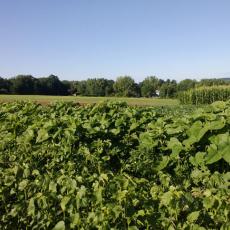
[{"x": 80, "y": 39}]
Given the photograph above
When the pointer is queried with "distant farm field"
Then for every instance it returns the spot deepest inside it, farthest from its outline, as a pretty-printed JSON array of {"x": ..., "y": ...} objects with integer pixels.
[{"x": 89, "y": 100}]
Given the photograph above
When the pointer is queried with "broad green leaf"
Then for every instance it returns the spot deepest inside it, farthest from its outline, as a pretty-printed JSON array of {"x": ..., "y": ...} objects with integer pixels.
[
  {"x": 23, "y": 184},
  {"x": 213, "y": 155},
  {"x": 64, "y": 202},
  {"x": 42, "y": 135},
  {"x": 147, "y": 140},
  {"x": 29, "y": 135},
  {"x": 199, "y": 157},
  {"x": 115, "y": 131},
  {"x": 193, "y": 216},
  {"x": 26, "y": 173},
  {"x": 9, "y": 180},
  {"x": 226, "y": 155},
  {"x": 207, "y": 192},
  {"x": 13, "y": 212},
  {"x": 132, "y": 228},
  {"x": 75, "y": 220},
  {"x": 134, "y": 126},
  {"x": 42, "y": 202},
  {"x": 175, "y": 146},
  {"x": 166, "y": 198},
  {"x": 171, "y": 227},
  {"x": 195, "y": 129},
  {"x": 52, "y": 186},
  {"x": 226, "y": 177},
  {"x": 215, "y": 125},
  {"x": 121, "y": 195},
  {"x": 81, "y": 192},
  {"x": 197, "y": 227},
  {"x": 98, "y": 194},
  {"x": 163, "y": 163},
  {"x": 31, "y": 207},
  {"x": 219, "y": 149},
  {"x": 171, "y": 130},
  {"x": 35, "y": 172},
  {"x": 104, "y": 177},
  {"x": 195, "y": 133},
  {"x": 154, "y": 192},
  {"x": 218, "y": 105},
  {"x": 141, "y": 213},
  {"x": 59, "y": 226},
  {"x": 208, "y": 202}
]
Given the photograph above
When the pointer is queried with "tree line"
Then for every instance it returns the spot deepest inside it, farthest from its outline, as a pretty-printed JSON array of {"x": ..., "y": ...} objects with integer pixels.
[{"x": 123, "y": 86}]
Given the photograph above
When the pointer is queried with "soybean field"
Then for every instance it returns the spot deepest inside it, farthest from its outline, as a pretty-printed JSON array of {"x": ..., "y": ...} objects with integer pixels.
[{"x": 114, "y": 166}]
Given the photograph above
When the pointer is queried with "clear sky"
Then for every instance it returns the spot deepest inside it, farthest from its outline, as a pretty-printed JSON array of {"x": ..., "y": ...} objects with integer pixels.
[{"x": 80, "y": 39}]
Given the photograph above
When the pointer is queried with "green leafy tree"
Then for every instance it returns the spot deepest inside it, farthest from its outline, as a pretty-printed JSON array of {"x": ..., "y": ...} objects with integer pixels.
[
  {"x": 109, "y": 91},
  {"x": 186, "y": 84},
  {"x": 168, "y": 89},
  {"x": 96, "y": 87},
  {"x": 50, "y": 86},
  {"x": 79, "y": 88},
  {"x": 4, "y": 86},
  {"x": 68, "y": 85},
  {"x": 125, "y": 86},
  {"x": 149, "y": 86},
  {"x": 23, "y": 84}
]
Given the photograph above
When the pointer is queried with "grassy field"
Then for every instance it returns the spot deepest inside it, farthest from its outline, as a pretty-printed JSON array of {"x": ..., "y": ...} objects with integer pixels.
[{"x": 89, "y": 100}]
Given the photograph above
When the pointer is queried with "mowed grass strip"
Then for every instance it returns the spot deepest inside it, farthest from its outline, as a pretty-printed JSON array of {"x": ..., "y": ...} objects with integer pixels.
[{"x": 43, "y": 99}]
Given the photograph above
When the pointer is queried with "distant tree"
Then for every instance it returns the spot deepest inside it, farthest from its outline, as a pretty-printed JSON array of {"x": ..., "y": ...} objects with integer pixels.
[
  {"x": 68, "y": 85},
  {"x": 212, "y": 82},
  {"x": 109, "y": 91},
  {"x": 186, "y": 84},
  {"x": 4, "y": 86},
  {"x": 136, "y": 90},
  {"x": 168, "y": 89},
  {"x": 50, "y": 86},
  {"x": 90, "y": 87},
  {"x": 95, "y": 87},
  {"x": 149, "y": 86},
  {"x": 125, "y": 86},
  {"x": 23, "y": 84},
  {"x": 79, "y": 87},
  {"x": 41, "y": 86},
  {"x": 55, "y": 86},
  {"x": 160, "y": 82}
]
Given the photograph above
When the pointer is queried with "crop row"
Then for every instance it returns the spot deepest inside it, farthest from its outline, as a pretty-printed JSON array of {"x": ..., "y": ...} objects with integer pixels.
[{"x": 205, "y": 95}]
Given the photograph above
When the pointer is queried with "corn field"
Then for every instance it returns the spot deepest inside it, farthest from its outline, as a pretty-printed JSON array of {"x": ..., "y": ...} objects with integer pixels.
[{"x": 205, "y": 95}]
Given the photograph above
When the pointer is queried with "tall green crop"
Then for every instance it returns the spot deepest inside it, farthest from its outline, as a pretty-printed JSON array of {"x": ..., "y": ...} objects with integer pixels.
[
  {"x": 111, "y": 166},
  {"x": 205, "y": 95}
]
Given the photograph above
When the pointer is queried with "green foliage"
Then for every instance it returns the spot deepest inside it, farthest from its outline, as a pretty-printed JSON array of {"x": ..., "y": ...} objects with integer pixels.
[
  {"x": 23, "y": 84},
  {"x": 205, "y": 95},
  {"x": 186, "y": 85},
  {"x": 93, "y": 87},
  {"x": 4, "y": 86},
  {"x": 149, "y": 87},
  {"x": 168, "y": 89},
  {"x": 125, "y": 86},
  {"x": 213, "y": 82},
  {"x": 27, "y": 84},
  {"x": 112, "y": 166}
]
